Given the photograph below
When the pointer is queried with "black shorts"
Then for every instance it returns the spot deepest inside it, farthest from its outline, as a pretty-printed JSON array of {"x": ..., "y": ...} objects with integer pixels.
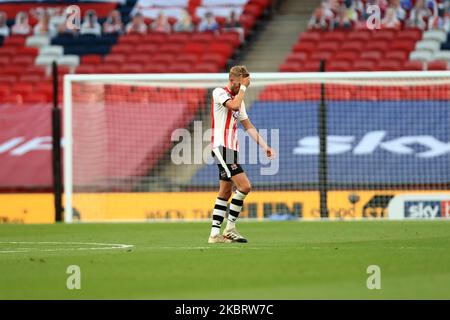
[{"x": 228, "y": 162}]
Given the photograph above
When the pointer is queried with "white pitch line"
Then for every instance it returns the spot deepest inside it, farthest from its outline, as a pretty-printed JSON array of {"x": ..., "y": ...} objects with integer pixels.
[{"x": 98, "y": 246}]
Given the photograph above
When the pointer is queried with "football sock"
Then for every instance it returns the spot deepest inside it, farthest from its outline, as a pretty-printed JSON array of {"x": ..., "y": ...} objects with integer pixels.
[
  {"x": 220, "y": 208},
  {"x": 235, "y": 208}
]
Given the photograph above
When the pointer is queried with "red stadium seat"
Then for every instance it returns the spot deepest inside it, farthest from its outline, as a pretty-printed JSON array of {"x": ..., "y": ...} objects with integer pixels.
[
  {"x": 364, "y": 65},
  {"x": 188, "y": 58},
  {"x": 13, "y": 70},
  {"x": 36, "y": 70},
  {"x": 155, "y": 37},
  {"x": 180, "y": 67},
  {"x": 215, "y": 58},
  {"x": 413, "y": 66},
  {"x": 7, "y": 51},
  {"x": 290, "y": 67},
  {"x": 310, "y": 36},
  {"x": 438, "y": 65},
  {"x": 206, "y": 68},
  {"x": 4, "y": 60},
  {"x": 91, "y": 59},
  {"x": 23, "y": 60},
  {"x": 161, "y": 58},
  {"x": 36, "y": 98},
  {"x": 328, "y": 46},
  {"x": 230, "y": 37},
  {"x": 195, "y": 47},
  {"x": 14, "y": 41},
  {"x": 155, "y": 68},
  {"x": 131, "y": 39},
  {"x": 360, "y": 35},
  {"x": 377, "y": 45},
  {"x": 4, "y": 90},
  {"x": 107, "y": 68},
  {"x": 125, "y": 48},
  {"x": 115, "y": 58},
  {"x": 338, "y": 66},
  {"x": 22, "y": 88},
  {"x": 31, "y": 78},
  {"x": 321, "y": 55},
  {"x": 131, "y": 68},
  {"x": 383, "y": 35},
  {"x": 352, "y": 46},
  {"x": 85, "y": 68},
  {"x": 297, "y": 57},
  {"x": 304, "y": 46},
  {"x": 139, "y": 58},
  {"x": 179, "y": 37},
  {"x": 334, "y": 36},
  {"x": 346, "y": 55},
  {"x": 204, "y": 37},
  {"x": 8, "y": 78},
  {"x": 409, "y": 34},
  {"x": 396, "y": 55},
  {"x": 310, "y": 66},
  {"x": 247, "y": 21},
  {"x": 403, "y": 45},
  {"x": 253, "y": 10},
  {"x": 389, "y": 65},
  {"x": 170, "y": 48},
  {"x": 225, "y": 49},
  {"x": 146, "y": 48},
  {"x": 371, "y": 55},
  {"x": 46, "y": 88},
  {"x": 28, "y": 51}
]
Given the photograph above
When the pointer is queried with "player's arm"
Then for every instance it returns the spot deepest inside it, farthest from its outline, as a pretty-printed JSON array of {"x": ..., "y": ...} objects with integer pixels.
[{"x": 252, "y": 132}]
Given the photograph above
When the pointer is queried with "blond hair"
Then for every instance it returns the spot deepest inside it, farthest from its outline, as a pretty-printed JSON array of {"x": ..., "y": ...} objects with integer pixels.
[{"x": 239, "y": 71}]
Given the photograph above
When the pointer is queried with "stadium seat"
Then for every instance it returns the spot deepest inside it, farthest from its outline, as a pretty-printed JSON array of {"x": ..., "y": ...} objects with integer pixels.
[
  {"x": 22, "y": 60},
  {"x": 428, "y": 45},
  {"x": 91, "y": 59},
  {"x": 86, "y": 68},
  {"x": 180, "y": 67},
  {"x": 436, "y": 35},
  {"x": 364, "y": 65},
  {"x": 442, "y": 55},
  {"x": 339, "y": 66},
  {"x": 328, "y": 46},
  {"x": 383, "y": 35},
  {"x": 195, "y": 47},
  {"x": 114, "y": 58},
  {"x": 131, "y": 39},
  {"x": 37, "y": 41},
  {"x": 377, "y": 45},
  {"x": 310, "y": 36},
  {"x": 170, "y": 47},
  {"x": 389, "y": 65},
  {"x": 155, "y": 68},
  {"x": 352, "y": 46},
  {"x": 296, "y": 57},
  {"x": 310, "y": 66},
  {"x": 161, "y": 58},
  {"x": 409, "y": 34},
  {"x": 154, "y": 37},
  {"x": 204, "y": 37},
  {"x": 189, "y": 58},
  {"x": 334, "y": 36},
  {"x": 206, "y": 68},
  {"x": 214, "y": 58},
  {"x": 14, "y": 41},
  {"x": 225, "y": 49},
  {"x": 420, "y": 56},
  {"x": 371, "y": 55},
  {"x": 230, "y": 37},
  {"x": 124, "y": 48},
  {"x": 131, "y": 68},
  {"x": 36, "y": 98},
  {"x": 143, "y": 48},
  {"x": 396, "y": 55},
  {"x": 31, "y": 78},
  {"x": 22, "y": 88},
  {"x": 55, "y": 51},
  {"x": 44, "y": 60},
  {"x": 346, "y": 55},
  {"x": 437, "y": 65},
  {"x": 4, "y": 60},
  {"x": 139, "y": 58},
  {"x": 106, "y": 68},
  {"x": 321, "y": 55},
  {"x": 304, "y": 46},
  {"x": 179, "y": 37},
  {"x": 290, "y": 67},
  {"x": 413, "y": 66}
]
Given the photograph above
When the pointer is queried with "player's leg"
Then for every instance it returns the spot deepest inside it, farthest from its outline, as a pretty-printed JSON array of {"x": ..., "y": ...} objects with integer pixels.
[
  {"x": 220, "y": 206},
  {"x": 243, "y": 187}
]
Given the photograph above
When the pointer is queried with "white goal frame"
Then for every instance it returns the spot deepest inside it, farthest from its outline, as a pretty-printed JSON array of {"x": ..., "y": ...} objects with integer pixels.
[{"x": 264, "y": 77}]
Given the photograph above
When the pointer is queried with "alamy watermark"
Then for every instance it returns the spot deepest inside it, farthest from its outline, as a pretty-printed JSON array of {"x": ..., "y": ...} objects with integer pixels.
[
  {"x": 374, "y": 280},
  {"x": 73, "y": 281},
  {"x": 189, "y": 148}
]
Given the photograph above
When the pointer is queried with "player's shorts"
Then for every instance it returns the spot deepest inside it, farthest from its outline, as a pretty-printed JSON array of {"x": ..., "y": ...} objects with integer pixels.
[{"x": 228, "y": 162}]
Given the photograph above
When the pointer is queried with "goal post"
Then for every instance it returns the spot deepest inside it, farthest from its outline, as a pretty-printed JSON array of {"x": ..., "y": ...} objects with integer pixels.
[{"x": 136, "y": 146}]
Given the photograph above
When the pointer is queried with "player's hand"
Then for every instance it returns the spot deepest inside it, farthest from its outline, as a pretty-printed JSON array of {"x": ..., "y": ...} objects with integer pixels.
[
  {"x": 246, "y": 81},
  {"x": 270, "y": 153}
]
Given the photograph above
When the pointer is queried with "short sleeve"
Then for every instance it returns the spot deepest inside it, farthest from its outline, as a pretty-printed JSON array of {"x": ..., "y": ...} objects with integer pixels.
[
  {"x": 220, "y": 96},
  {"x": 243, "y": 112}
]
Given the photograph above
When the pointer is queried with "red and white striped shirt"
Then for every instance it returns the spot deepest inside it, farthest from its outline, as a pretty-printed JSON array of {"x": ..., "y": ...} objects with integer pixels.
[{"x": 224, "y": 120}]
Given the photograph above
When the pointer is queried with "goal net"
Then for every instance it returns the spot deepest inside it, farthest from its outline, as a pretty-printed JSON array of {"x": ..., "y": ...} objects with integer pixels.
[{"x": 349, "y": 145}]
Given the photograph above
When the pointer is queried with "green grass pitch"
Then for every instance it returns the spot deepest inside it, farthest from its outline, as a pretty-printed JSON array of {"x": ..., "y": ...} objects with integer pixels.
[{"x": 283, "y": 260}]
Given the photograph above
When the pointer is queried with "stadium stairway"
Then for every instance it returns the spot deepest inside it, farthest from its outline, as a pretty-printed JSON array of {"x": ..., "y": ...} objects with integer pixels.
[{"x": 267, "y": 53}]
